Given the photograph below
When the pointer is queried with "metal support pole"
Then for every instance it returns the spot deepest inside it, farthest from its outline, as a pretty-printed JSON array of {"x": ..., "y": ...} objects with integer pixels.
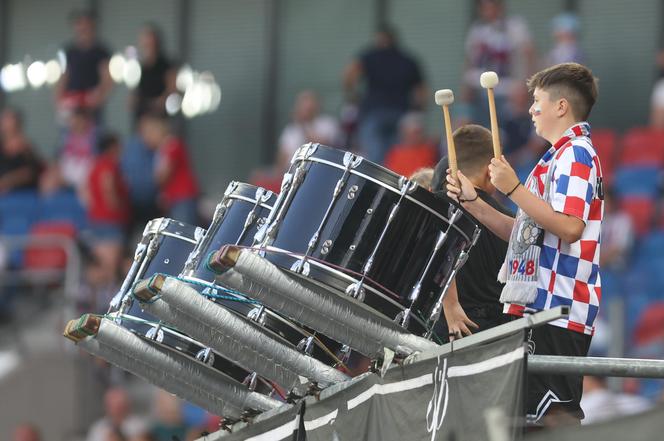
[{"x": 600, "y": 366}]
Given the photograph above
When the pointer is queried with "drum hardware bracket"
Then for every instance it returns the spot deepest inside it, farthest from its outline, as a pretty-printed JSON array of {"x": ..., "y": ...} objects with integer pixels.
[
  {"x": 232, "y": 186},
  {"x": 305, "y": 151},
  {"x": 326, "y": 247},
  {"x": 403, "y": 318},
  {"x": 356, "y": 290},
  {"x": 251, "y": 381},
  {"x": 265, "y": 236},
  {"x": 301, "y": 266},
  {"x": 351, "y": 161},
  {"x": 206, "y": 356},
  {"x": 352, "y": 191},
  {"x": 306, "y": 345},
  {"x": 257, "y": 315},
  {"x": 155, "y": 333},
  {"x": 344, "y": 354}
]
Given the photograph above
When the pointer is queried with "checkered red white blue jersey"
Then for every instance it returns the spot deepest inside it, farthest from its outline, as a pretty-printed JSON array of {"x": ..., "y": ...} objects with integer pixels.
[{"x": 568, "y": 273}]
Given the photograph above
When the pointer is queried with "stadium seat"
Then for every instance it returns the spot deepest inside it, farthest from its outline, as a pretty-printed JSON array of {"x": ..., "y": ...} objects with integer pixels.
[
  {"x": 48, "y": 256},
  {"x": 63, "y": 205},
  {"x": 605, "y": 142},
  {"x": 642, "y": 146},
  {"x": 641, "y": 210},
  {"x": 638, "y": 181},
  {"x": 18, "y": 211}
]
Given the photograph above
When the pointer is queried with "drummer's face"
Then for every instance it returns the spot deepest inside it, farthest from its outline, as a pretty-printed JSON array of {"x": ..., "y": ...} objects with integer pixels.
[{"x": 542, "y": 111}]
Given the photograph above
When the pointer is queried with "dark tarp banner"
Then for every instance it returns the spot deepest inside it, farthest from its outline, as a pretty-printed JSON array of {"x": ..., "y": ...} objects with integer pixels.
[{"x": 441, "y": 398}]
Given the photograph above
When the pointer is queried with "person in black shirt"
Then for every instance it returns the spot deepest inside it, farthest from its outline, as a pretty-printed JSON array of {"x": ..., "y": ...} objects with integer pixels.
[
  {"x": 86, "y": 82},
  {"x": 472, "y": 301},
  {"x": 393, "y": 85},
  {"x": 20, "y": 167},
  {"x": 157, "y": 75}
]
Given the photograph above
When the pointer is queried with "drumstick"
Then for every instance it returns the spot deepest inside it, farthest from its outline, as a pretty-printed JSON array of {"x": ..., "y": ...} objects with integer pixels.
[
  {"x": 444, "y": 98},
  {"x": 489, "y": 80}
]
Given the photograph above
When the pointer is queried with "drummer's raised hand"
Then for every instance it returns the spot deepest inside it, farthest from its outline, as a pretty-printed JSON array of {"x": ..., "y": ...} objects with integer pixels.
[{"x": 460, "y": 189}]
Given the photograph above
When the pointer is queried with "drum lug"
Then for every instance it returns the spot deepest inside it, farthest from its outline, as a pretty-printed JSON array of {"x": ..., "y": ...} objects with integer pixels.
[
  {"x": 344, "y": 353},
  {"x": 301, "y": 267},
  {"x": 306, "y": 345},
  {"x": 251, "y": 381},
  {"x": 304, "y": 152},
  {"x": 205, "y": 356},
  {"x": 232, "y": 186},
  {"x": 155, "y": 333},
  {"x": 351, "y": 161},
  {"x": 326, "y": 247},
  {"x": 356, "y": 291},
  {"x": 257, "y": 315},
  {"x": 403, "y": 318},
  {"x": 352, "y": 191}
]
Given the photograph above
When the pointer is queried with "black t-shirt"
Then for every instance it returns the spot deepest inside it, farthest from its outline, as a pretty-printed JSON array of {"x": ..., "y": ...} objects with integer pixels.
[
  {"x": 390, "y": 76},
  {"x": 151, "y": 85},
  {"x": 476, "y": 280},
  {"x": 83, "y": 66},
  {"x": 27, "y": 159}
]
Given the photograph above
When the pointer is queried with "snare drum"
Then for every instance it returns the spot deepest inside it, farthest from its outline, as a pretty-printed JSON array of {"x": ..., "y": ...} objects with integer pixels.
[
  {"x": 352, "y": 225},
  {"x": 164, "y": 248},
  {"x": 243, "y": 210}
]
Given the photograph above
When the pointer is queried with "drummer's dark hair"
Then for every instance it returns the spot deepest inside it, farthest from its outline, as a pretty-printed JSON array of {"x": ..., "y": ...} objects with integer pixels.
[{"x": 474, "y": 150}]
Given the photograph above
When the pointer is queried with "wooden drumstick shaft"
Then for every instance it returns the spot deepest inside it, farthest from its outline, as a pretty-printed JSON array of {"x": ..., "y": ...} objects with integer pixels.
[
  {"x": 451, "y": 149},
  {"x": 489, "y": 80},
  {"x": 495, "y": 130}
]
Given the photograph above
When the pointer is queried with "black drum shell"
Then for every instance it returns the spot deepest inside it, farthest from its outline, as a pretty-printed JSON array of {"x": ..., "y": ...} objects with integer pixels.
[{"x": 355, "y": 224}]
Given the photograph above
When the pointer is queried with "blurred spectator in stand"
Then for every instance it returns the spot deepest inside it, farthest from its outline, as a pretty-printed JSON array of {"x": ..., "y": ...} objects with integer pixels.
[
  {"x": 108, "y": 206},
  {"x": 423, "y": 177},
  {"x": 178, "y": 188},
  {"x": 414, "y": 150},
  {"x": 118, "y": 420},
  {"x": 19, "y": 165},
  {"x": 86, "y": 81},
  {"x": 26, "y": 432},
  {"x": 168, "y": 423},
  {"x": 617, "y": 235},
  {"x": 520, "y": 143},
  {"x": 157, "y": 75},
  {"x": 657, "y": 95},
  {"x": 565, "y": 27},
  {"x": 393, "y": 85},
  {"x": 78, "y": 150},
  {"x": 137, "y": 164},
  {"x": 495, "y": 43},
  {"x": 308, "y": 125},
  {"x": 601, "y": 404}
]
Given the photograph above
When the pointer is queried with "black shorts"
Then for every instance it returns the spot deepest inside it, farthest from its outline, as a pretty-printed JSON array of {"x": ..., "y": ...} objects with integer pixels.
[{"x": 546, "y": 390}]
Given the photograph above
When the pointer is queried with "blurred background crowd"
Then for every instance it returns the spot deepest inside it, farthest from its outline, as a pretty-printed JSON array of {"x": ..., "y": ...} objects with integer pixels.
[{"x": 120, "y": 128}]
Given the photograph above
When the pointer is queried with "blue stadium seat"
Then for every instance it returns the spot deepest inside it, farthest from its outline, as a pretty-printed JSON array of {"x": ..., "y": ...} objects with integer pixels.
[
  {"x": 637, "y": 181},
  {"x": 63, "y": 206},
  {"x": 18, "y": 211}
]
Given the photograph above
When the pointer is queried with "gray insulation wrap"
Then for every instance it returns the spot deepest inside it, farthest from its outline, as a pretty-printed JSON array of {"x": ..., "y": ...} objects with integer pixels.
[
  {"x": 175, "y": 372},
  {"x": 239, "y": 339},
  {"x": 338, "y": 316}
]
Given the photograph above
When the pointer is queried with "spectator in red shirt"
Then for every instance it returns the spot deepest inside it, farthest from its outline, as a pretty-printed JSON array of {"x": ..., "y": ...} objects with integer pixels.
[
  {"x": 178, "y": 188},
  {"x": 414, "y": 151},
  {"x": 108, "y": 205}
]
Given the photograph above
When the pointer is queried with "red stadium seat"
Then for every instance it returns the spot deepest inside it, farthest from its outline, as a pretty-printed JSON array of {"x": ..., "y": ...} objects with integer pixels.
[
  {"x": 48, "y": 256},
  {"x": 605, "y": 142},
  {"x": 642, "y": 212},
  {"x": 642, "y": 146}
]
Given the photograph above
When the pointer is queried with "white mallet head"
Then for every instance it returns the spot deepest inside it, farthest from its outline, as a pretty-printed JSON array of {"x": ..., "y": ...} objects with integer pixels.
[
  {"x": 489, "y": 80},
  {"x": 444, "y": 97}
]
